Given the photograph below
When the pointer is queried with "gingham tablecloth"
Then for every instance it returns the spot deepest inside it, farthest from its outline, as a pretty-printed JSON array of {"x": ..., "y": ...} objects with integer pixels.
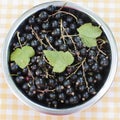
[{"x": 108, "y": 108}]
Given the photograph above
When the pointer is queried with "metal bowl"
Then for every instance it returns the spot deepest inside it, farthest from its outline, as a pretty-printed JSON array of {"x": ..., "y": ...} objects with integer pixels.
[{"x": 41, "y": 108}]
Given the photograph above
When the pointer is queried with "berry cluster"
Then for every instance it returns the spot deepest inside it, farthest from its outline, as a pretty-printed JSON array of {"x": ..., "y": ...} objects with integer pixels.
[{"x": 55, "y": 28}]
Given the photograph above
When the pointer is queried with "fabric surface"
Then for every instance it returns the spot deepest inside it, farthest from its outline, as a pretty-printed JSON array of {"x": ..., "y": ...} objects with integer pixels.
[{"x": 107, "y": 108}]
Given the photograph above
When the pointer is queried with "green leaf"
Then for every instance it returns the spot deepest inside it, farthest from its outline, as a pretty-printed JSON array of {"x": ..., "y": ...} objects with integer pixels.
[
  {"x": 29, "y": 51},
  {"x": 89, "y": 33},
  {"x": 22, "y": 56},
  {"x": 90, "y": 42},
  {"x": 59, "y": 59}
]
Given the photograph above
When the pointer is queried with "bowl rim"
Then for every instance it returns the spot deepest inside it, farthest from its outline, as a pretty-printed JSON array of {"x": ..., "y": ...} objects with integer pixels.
[{"x": 64, "y": 111}]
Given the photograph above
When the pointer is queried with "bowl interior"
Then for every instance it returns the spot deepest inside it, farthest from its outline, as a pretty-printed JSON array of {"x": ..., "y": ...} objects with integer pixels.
[{"x": 41, "y": 108}]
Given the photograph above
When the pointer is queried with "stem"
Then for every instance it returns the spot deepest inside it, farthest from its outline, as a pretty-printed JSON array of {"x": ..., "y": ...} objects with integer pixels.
[
  {"x": 102, "y": 42},
  {"x": 13, "y": 75},
  {"x": 70, "y": 38},
  {"x": 62, "y": 6},
  {"x": 18, "y": 36},
  {"x": 30, "y": 73},
  {"x": 65, "y": 13},
  {"x": 75, "y": 64},
  {"x": 37, "y": 37},
  {"x": 85, "y": 77},
  {"x": 76, "y": 69},
  {"x": 101, "y": 51},
  {"x": 46, "y": 60},
  {"x": 46, "y": 90},
  {"x": 61, "y": 29},
  {"x": 49, "y": 43},
  {"x": 70, "y": 35}
]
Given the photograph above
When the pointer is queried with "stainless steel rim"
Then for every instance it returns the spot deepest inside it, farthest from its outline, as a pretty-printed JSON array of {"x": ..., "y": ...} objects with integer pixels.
[{"x": 73, "y": 109}]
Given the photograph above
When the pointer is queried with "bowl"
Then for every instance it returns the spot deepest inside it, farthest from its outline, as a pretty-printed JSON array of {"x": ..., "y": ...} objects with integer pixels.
[{"x": 62, "y": 111}]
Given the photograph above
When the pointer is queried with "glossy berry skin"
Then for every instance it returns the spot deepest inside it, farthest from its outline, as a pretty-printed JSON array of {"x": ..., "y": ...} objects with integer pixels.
[
  {"x": 66, "y": 83},
  {"x": 43, "y": 35},
  {"x": 90, "y": 61},
  {"x": 31, "y": 94},
  {"x": 33, "y": 60},
  {"x": 27, "y": 28},
  {"x": 51, "y": 9},
  {"x": 31, "y": 20},
  {"x": 69, "y": 42},
  {"x": 22, "y": 40},
  {"x": 79, "y": 81},
  {"x": 51, "y": 82},
  {"x": 68, "y": 30},
  {"x": 33, "y": 89},
  {"x": 40, "y": 96},
  {"x": 56, "y": 32},
  {"x": 29, "y": 37},
  {"x": 85, "y": 96},
  {"x": 74, "y": 77},
  {"x": 13, "y": 67},
  {"x": 92, "y": 90},
  {"x": 61, "y": 79},
  {"x": 79, "y": 44},
  {"x": 79, "y": 73},
  {"x": 55, "y": 104},
  {"x": 69, "y": 91},
  {"x": 38, "y": 20},
  {"x": 46, "y": 26},
  {"x": 80, "y": 22},
  {"x": 34, "y": 43},
  {"x": 63, "y": 47},
  {"x": 69, "y": 19},
  {"x": 92, "y": 54},
  {"x": 90, "y": 79},
  {"x": 55, "y": 24},
  {"x": 59, "y": 88},
  {"x": 36, "y": 28},
  {"x": 61, "y": 96},
  {"x": 74, "y": 100},
  {"x": 34, "y": 67},
  {"x": 16, "y": 45},
  {"x": 81, "y": 88},
  {"x": 43, "y": 15},
  {"x": 98, "y": 77},
  {"x": 95, "y": 67},
  {"x": 52, "y": 96},
  {"x": 58, "y": 16},
  {"x": 58, "y": 42},
  {"x": 51, "y": 39},
  {"x": 86, "y": 67},
  {"x": 65, "y": 24},
  {"x": 41, "y": 63},
  {"x": 19, "y": 79},
  {"x": 83, "y": 51},
  {"x": 69, "y": 70},
  {"x": 73, "y": 27},
  {"x": 39, "y": 49},
  {"x": 25, "y": 87},
  {"x": 104, "y": 62},
  {"x": 25, "y": 71},
  {"x": 39, "y": 83}
]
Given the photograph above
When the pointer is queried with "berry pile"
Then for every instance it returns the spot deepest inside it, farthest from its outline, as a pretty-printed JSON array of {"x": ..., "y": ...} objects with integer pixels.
[{"x": 55, "y": 28}]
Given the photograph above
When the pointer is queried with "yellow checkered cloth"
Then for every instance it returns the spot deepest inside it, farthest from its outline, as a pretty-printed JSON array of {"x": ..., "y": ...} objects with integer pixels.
[{"x": 108, "y": 108}]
